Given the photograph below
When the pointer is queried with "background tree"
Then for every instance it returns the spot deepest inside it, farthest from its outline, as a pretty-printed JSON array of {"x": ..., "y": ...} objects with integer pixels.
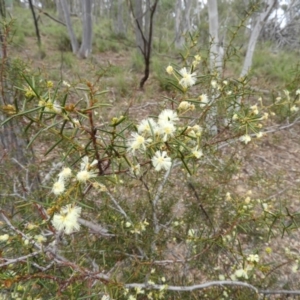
[
  {"x": 36, "y": 25},
  {"x": 86, "y": 44},
  {"x": 216, "y": 52},
  {"x": 65, "y": 8},
  {"x": 268, "y": 6},
  {"x": 13, "y": 139},
  {"x": 144, "y": 40},
  {"x": 183, "y": 21}
]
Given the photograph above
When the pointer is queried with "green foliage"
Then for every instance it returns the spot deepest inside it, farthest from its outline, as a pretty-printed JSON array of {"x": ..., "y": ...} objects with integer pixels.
[
  {"x": 274, "y": 66},
  {"x": 137, "y": 61},
  {"x": 158, "y": 198}
]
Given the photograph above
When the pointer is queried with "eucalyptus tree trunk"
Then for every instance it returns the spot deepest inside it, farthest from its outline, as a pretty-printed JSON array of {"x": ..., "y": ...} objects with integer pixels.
[
  {"x": 120, "y": 17},
  {"x": 66, "y": 11},
  {"x": 215, "y": 60},
  {"x": 187, "y": 25},
  {"x": 138, "y": 12},
  {"x": 59, "y": 10},
  {"x": 118, "y": 11},
  {"x": 12, "y": 142},
  {"x": 263, "y": 16},
  {"x": 179, "y": 38},
  {"x": 86, "y": 44},
  {"x": 182, "y": 21},
  {"x": 216, "y": 55},
  {"x": 15, "y": 157}
]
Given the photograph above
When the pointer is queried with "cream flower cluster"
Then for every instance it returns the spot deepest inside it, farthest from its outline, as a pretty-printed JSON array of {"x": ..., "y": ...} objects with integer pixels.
[
  {"x": 188, "y": 79},
  {"x": 250, "y": 263},
  {"x": 151, "y": 131},
  {"x": 67, "y": 219},
  {"x": 154, "y": 134},
  {"x": 82, "y": 176},
  {"x": 85, "y": 172}
]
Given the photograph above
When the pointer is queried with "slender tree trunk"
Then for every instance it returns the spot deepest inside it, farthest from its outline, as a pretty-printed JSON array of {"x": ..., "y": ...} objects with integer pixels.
[
  {"x": 74, "y": 42},
  {"x": 86, "y": 45},
  {"x": 187, "y": 16},
  {"x": 147, "y": 18},
  {"x": 13, "y": 141},
  {"x": 269, "y": 5},
  {"x": 59, "y": 10},
  {"x": 182, "y": 21},
  {"x": 118, "y": 9},
  {"x": 216, "y": 56},
  {"x": 138, "y": 12},
  {"x": 179, "y": 38},
  {"x": 215, "y": 61},
  {"x": 121, "y": 27},
  {"x": 36, "y": 25}
]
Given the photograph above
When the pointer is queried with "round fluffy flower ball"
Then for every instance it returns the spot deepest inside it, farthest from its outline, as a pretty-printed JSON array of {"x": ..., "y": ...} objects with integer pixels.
[
  {"x": 58, "y": 187},
  {"x": 67, "y": 219},
  {"x": 161, "y": 160},
  {"x": 65, "y": 173},
  {"x": 84, "y": 175}
]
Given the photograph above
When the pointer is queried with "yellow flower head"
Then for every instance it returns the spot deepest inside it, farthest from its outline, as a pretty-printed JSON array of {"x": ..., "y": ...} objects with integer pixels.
[{"x": 169, "y": 70}]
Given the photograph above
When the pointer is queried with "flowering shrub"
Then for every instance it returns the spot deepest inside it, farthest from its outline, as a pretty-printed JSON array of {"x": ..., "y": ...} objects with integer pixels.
[{"x": 141, "y": 210}]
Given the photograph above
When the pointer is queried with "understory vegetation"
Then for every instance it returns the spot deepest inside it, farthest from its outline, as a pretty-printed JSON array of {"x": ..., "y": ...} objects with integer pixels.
[{"x": 188, "y": 189}]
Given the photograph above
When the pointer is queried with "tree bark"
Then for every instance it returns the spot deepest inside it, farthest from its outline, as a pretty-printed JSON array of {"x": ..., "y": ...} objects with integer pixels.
[
  {"x": 86, "y": 45},
  {"x": 182, "y": 21},
  {"x": 36, "y": 25},
  {"x": 138, "y": 12},
  {"x": 13, "y": 141},
  {"x": 74, "y": 42},
  {"x": 59, "y": 10},
  {"x": 118, "y": 10},
  {"x": 187, "y": 16},
  {"x": 216, "y": 56},
  {"x": 121, "y": 27},
  {"x": 179, "y": 38},
  {"x": 263, "y": 16}
]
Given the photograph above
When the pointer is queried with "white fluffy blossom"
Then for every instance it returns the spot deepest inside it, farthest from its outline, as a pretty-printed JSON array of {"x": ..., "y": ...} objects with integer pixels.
[
  {"x": 161, "y": 160},
  {"x": 197, "y": 153},
  {"x": 4, "y": 237},
  {"x": 253, "y": 258},
  {"x": 85, "y": 165},
  {"x": 204, "y": 100},
  {"x": 85, "y": 173},
  {"x": 137, "y": 142},
  {"x": 213, "y": 84},
  {"x": 241, "y": 273},
  {"x": 84, "y": 176},
  {"x": 135, "y": 170},
  {"x": 168, "y": 115},
  {"x": 58, "y": 187},
  {"x": 294, "y": 108},
  {"x": 245, "y": 138},
  {"x": 166, "y": 129},
  {"x": 188, "y": 79},
  {"x": 67, "y": 219},
  {"x": 40, "y": 238},
  {"x": 65, "y": 174},
  {"x": 185, "y": 105},
  {"x": 147, "y": 127},
  {"x": 169, "y": 70},
  {"x": 56, "y": 107}
]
